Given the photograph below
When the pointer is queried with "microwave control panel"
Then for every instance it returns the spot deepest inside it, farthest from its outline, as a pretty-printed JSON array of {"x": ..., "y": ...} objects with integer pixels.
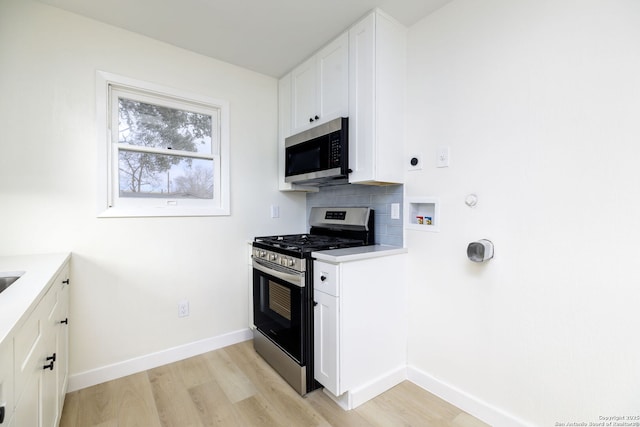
[{"x": 335, "y": 153}]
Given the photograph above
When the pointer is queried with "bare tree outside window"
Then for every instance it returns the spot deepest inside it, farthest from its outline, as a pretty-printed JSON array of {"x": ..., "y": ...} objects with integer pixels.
[{"x": 154, "y": 158}]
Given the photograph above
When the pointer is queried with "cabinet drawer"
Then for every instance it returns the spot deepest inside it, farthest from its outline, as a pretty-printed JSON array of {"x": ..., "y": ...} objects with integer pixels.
[{"x": 326, "y": 278}]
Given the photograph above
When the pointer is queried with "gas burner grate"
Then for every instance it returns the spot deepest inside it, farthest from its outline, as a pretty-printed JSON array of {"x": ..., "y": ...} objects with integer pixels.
[{"x": 308, "y": 242}]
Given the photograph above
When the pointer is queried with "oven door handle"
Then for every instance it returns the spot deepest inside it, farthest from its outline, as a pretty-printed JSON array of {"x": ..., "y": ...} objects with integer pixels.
[{"x": 283, "y": 273}]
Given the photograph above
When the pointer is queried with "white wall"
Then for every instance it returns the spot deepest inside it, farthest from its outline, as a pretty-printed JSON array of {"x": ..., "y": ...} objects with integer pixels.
[
  {"x": 128, "y": 274},
  {"x": 539, "y": 102}
]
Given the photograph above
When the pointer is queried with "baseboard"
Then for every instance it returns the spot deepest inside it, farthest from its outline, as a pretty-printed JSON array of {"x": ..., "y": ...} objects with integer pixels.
[
  {"x": 468, "y": 403},
  {"x": 153, "y": 360},
  {"x": 378, "y": 386},
  {"x": 356, "y": 397}
]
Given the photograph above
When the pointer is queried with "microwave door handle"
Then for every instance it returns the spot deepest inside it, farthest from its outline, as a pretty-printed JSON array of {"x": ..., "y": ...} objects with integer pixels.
[{"x": 294, "y": 279}]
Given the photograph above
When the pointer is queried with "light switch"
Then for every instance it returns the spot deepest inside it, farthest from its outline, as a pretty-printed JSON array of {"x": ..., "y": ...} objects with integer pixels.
[{"x": 275, "y": 211}]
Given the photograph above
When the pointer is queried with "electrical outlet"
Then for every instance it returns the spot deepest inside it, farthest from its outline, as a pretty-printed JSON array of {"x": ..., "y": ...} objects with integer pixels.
[
  {"x": 395, "y": 210},
  {"x": 442, "y": 157},
  {"x": 183, "y": 308}
]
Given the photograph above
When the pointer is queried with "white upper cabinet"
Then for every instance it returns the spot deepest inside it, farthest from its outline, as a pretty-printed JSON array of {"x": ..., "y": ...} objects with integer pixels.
[
  {"x": 319, "y": 87},
  {"x": 284, "y": 126},
  {"x": 377, "y": 68},
  {"x": 360, "y": 75},
  {"x": 303, "y": 96}
]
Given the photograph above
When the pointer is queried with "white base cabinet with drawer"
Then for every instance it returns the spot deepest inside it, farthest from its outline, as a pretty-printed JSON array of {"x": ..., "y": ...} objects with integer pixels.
[
  {"x": 41, "y": 358},
  {"x": 360, "y": 325}
]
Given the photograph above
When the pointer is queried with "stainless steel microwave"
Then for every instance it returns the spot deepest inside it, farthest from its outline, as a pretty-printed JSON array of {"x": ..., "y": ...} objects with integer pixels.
[{"x": 320, "y": 155}]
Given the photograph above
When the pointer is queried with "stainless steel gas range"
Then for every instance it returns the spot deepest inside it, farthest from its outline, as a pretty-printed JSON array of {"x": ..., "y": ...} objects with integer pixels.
[{"x": 283, "y": 288}]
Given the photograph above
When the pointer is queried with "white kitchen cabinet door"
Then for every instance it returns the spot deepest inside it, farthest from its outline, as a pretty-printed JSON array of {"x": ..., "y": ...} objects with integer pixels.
[
  {"x": 60, "y": 325},
  {"x": 326, "y": 336},
  {"x": 303, "y": 96},
  {"x": 56, "y": 344},
  {"x": 333, "y": 80},
  {"x": 284, "y": 127},
  {"x": 27, "y": 411},
  {"x": 362, "y": 100},
  {"x": 377, "y": 59},
  {"x": 48, "y": 398},
  {"x": 319, "y": 86},
  {"x": 30, "y": 343}
]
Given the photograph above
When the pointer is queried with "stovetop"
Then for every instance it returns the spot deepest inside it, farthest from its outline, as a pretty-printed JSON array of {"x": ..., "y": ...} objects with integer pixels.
[
  {"x": 304, "y": 243},
  {"x": 331, "y": 228}
]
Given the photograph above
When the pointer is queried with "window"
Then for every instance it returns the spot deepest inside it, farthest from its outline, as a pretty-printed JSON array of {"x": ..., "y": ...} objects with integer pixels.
[{"x": 162, "y": 152}]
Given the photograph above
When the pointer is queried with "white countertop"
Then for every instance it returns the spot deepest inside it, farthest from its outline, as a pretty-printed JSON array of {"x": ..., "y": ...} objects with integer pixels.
[
  {"x": 358, "y": 253},
  {"x": 19, "y": 299}
]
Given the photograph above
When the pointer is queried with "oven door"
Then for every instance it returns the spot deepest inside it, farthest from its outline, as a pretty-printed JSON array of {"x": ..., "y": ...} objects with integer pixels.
[{"x": 279, "y": 295}]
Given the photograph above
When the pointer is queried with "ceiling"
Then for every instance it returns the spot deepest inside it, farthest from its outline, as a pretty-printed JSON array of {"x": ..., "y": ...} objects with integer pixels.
[{"x": 267, "y": 36}]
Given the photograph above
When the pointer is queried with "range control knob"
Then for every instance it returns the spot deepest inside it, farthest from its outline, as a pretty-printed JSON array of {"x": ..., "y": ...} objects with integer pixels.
[
  {"x": 291, "y": 262},
  {"x": 273, "y": 257}
]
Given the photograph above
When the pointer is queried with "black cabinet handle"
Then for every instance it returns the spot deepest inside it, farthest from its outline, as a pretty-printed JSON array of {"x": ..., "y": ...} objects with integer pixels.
[
  {"x": 52, "y": 360},
  {"x": 65, "y": 321},
  {"x": 310, "y": 119},
  {"x": 1, "y": 414},
  {"x": 323, "y": 278},
  {"x": 66, "y": 282},
  {"x": 316, "y": 117}
]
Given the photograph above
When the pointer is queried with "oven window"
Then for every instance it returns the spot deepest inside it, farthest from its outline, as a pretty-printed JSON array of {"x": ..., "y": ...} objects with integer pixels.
[
  {"x": 280, "y": 300},
  {"x": 278, "y": 312}
]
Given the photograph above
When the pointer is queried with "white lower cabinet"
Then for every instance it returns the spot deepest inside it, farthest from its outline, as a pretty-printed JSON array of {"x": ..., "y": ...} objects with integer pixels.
[
  {"x": 41, "y": 358},
  {"x": 59, "y": 322},
  {"x": 6, "y": 383},
  {"x": 359, "y": 327},
  {"x": 325, "y": 329}
]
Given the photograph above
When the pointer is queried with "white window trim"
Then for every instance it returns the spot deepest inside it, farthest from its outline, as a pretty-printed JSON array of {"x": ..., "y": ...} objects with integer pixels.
[{"x": 105, "y": 209}]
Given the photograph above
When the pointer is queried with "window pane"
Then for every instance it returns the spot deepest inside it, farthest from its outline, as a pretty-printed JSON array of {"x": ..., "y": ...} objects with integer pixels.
[
  {"x": 164, "y": 176},
  {"x": 150, "y": 125}
]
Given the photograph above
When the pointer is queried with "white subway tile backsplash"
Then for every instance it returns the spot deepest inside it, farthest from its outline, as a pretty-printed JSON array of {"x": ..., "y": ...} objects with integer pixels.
[{"x": 379, "y": 198}]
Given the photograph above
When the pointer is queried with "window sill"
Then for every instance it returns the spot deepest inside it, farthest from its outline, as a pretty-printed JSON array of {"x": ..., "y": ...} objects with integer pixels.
[{"x": 161, "y": 212}]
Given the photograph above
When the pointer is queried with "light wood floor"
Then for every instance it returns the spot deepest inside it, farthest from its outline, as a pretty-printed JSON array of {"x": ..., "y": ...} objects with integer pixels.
[{"x": 233, "y": 386}]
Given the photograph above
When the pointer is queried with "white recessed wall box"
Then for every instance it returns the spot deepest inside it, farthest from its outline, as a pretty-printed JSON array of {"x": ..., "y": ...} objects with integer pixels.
[{"x": 422, "y": 213}]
